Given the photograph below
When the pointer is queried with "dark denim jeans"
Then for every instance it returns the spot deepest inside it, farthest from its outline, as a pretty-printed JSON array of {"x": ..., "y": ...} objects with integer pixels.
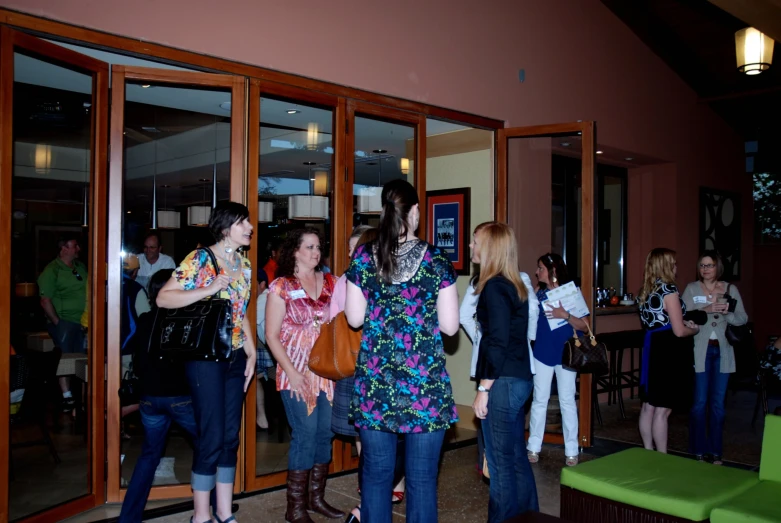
[
  {"x": 67, "y": 335},
  {"x": 157, "y": 413},
  {"x": 421, "y": 466},
  {"x": 218, "y": 394},
  {"x": 513, "y": 490},
  {"x": 310, "y": 440},
  {"x": 710, "y": 389}
]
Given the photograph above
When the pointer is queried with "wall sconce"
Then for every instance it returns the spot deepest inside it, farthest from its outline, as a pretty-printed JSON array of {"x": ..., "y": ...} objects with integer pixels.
[
  {"x": 404, "y": 166},
  {"x": 754, "y": 51},
  {"x": 320, "y": 182},
  {"x": 312, "y": 136}
]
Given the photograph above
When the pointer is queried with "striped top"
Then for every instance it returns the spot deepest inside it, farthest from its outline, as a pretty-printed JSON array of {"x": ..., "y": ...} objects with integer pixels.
[{"x": 299, "y": 333}]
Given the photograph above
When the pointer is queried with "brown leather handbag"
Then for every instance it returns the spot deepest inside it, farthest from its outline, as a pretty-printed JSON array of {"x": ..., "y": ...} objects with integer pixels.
[
  {"x": 336, "y": 349},
  {"x": 585, "y": 354}
]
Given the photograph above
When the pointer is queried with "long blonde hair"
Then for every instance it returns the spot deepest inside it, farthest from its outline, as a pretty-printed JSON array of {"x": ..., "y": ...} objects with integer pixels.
[
  {"x": 499, "y": 256},
  {"x": 659, "y": 265}
]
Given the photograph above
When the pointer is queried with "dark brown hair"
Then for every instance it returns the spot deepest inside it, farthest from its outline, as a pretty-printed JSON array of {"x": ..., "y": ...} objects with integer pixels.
[
  {"x": 287, "y": 258},
  {"x": 398, "y": 198},
  {"x": 556, "y": 268},
  {"x": 716, "y": 259}
]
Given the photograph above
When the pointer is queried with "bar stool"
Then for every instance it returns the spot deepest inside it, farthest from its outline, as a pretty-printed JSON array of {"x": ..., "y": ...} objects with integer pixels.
[{"x": 617, "y": 379}]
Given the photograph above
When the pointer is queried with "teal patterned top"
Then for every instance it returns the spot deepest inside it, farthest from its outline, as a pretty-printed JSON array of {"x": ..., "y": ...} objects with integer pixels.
[{"x": 401, "y": 383}]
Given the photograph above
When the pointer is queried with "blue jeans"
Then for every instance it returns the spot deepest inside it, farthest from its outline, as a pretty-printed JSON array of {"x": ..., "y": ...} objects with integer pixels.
[
  {"x": 217, "y": 390},
  {"x": 310, "y": 440},
  {"x": 421, "y": 466},
  {"x": 710, "y": 388},
  {"x": 157, "y": 413},
  {"x": 67, "y": 335},
  {"x": 513, "y": 490}
]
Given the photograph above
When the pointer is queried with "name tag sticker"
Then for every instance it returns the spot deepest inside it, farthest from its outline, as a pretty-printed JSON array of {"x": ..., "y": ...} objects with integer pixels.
[
  {"x": 700, "y": 299},
  {"x": 297, "y": 294}
]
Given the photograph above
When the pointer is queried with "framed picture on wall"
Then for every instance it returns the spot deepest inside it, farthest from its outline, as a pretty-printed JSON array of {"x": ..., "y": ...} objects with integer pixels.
[
  {"x": 448, "y": 225},
  {"x": 720, "y": 228}
]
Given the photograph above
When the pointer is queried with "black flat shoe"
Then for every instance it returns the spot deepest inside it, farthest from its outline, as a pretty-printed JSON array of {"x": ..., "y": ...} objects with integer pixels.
[{"x": 352, "y": 518}]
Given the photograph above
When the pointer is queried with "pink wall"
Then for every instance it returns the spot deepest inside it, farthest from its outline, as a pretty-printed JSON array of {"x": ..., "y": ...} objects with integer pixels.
[{"x": 581, "y": 62}]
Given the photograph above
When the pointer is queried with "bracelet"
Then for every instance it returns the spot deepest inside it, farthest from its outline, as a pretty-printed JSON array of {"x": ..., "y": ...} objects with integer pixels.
[
  {"x": 480, "y": 388},
  {"x": 569, "y": 315}
]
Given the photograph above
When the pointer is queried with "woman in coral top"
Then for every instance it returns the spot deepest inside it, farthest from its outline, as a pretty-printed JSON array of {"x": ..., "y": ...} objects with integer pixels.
[{"x": 299, "y": 302}]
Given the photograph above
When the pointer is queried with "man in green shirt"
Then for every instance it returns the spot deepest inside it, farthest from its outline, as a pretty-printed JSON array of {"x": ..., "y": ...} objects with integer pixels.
[{"x": 63, "y": 291}]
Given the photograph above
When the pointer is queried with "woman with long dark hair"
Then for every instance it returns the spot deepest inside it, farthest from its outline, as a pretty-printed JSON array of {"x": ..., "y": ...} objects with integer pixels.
[
  {"x": 401, "y": 290},
  {"x": 299, "y": 302},
  {"x": 551, "y": 273},
  {"x": 218, "y": 388}
]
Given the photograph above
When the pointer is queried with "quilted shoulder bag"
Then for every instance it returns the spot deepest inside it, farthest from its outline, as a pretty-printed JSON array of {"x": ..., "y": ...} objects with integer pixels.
[
  {"x": 336, "y": 350},
  {"x": 201, "y": 331},
  {"x": 585, "y": 354}
]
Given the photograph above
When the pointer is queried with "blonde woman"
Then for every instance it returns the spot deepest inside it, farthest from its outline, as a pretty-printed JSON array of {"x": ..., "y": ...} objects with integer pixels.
[
  {"x": 504, "y": 372},
  {"x": 667, "y": 350}
]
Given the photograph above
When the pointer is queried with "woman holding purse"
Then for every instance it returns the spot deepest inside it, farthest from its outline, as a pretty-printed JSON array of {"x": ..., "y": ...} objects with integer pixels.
[
  {"x": 218, "y": 388},
  {"x": 551, "y": 273},
  {"x": 714, "y": 356},
  {"x": 299, "y": 302}
]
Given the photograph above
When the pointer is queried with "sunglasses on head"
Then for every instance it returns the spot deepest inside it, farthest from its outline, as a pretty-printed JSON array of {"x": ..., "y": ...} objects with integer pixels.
[{"x": 78, "y": 276}]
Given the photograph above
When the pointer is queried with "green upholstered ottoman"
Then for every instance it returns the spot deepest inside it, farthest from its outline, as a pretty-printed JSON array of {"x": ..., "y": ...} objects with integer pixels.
[
  {"x": 639, "y": 485},
  {"x": 761, "y": 503}
]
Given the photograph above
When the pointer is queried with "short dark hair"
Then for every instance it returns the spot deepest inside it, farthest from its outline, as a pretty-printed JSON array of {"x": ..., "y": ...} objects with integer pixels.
[
  {"x": 287, "y": 258},
  {"x": 154, "y": 234},
  {"x": 224, "y": 215},
  {"x": 157, "y": 282},
  {"x": 556, "y": 267},
  {"x": 62, "y": 241}
]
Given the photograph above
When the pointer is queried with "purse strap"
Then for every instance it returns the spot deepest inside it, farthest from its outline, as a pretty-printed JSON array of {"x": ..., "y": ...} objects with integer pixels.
[
  {"x": 590, "y": 334},
  {"x": 213, "y": 260}
]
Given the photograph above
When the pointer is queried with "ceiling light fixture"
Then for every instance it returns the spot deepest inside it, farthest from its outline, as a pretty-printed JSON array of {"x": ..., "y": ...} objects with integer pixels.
[
  {"x": 599, "y": 152},
  {"x": 293, "y": 111},
  {"x": 146, "y": 86},
  {"x": 404, "y": 166},
  {"x": 565, "y": 144},
  {"x": 629, "y": 159},
  {"x": 753, "y": 50},
  {"x": 312, "y": 136},
  {"x": 308, "y": 207},
  {"x": 226, "y": 106}
]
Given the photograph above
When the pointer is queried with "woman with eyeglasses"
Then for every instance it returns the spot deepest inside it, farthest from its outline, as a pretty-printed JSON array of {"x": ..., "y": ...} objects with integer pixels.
[
  {"x": 714, "y": 357},
  {"x": 551, "y": 273}
]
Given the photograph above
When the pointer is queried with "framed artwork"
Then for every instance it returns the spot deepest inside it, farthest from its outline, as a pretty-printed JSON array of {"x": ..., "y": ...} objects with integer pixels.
[
  {"x": 448, "y": 225},
  {"x": 720, "y": 228}
]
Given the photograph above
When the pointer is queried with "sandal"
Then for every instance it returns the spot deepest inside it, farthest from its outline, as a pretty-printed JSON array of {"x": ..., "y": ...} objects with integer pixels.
[
  {"x": 397, "y": 497},
  {"x": 717, "y": 460},
  {"x": 227, "y": 520},
  {"x": 570, "y": 461},
  {"x": 534, "y": 457}
]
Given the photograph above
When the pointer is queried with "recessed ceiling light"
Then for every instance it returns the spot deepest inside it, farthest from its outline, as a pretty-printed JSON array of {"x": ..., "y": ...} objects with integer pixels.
[
  {"x": 565, "y": 144},
  {"x": 599, "y": 152},
  {"x": 371, "y": 163},
  {"x": 293, "y": 111},
  {"x": 629, "y": 159},
  {"x": 146, "y": 86},
  {"x": 204, "y": 180},
  {"x": 380, "y": 151},
  {"x": 129, "y": 212},
  {"x": 164, "y": 186},
  {"x": 226, "y": 106},
  {"x": 308, "y": 163}
]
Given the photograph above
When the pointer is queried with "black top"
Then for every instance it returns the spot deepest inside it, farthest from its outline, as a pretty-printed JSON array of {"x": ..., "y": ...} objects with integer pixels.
[
  {"x": 157, "y": 378},
  {"x": 503, "y": 318}
]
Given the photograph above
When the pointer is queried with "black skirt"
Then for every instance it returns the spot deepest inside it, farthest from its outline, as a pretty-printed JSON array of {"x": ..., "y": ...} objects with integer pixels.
[{"x": 670, "y": 371}]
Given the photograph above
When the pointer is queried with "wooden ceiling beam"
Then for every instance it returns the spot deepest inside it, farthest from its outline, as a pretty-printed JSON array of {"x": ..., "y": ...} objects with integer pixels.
[{"x": 764, "y": 15}]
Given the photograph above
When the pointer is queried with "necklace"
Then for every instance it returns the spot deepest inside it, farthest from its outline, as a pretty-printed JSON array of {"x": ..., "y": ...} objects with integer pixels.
[
  {"x": 710, "y": 291},
  {"x": 233, "y": 265}
]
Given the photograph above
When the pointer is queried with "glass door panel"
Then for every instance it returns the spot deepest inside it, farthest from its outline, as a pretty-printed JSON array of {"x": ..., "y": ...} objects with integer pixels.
[
  {"x": 175, "y": 138},
  {"x": 557, "y": 163},
  {"x": 55, "y": 132}
]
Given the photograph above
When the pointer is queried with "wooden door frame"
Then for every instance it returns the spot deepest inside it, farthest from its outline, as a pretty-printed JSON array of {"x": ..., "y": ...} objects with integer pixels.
[
  {"x": 120, "y": 75},
  {"x": 587, "y": 131},
  {"x": 9, "y": 41}
]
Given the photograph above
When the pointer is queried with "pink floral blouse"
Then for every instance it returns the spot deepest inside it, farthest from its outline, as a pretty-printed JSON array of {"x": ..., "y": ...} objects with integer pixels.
[{"x": 300, "y": 331}]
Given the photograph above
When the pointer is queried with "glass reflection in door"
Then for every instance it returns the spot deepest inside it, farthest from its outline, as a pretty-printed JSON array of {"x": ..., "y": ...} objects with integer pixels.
[
  {"x": 52, "y": 126},
  {"x": 295, "y": 189},
  {"x": 176, "y": 166},
  {"x": 384, "y": 151}
]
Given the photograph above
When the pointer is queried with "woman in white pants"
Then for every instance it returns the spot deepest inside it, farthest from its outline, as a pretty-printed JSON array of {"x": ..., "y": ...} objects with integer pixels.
[
  {"x": 552, "y": 272},
  {"x": 468, "y": 321}
]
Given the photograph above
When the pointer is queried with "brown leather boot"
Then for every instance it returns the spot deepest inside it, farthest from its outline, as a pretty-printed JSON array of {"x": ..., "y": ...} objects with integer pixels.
[
  {"x": 317, "y": 493},
  {"x": 297, "y": 483}
]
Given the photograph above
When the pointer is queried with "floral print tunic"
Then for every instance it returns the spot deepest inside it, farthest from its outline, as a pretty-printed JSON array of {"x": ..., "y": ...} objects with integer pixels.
[
  {"x": 299, "y": 333},
  {"x": 401, "y": 384},
  {"x": 197, "y": 271}
]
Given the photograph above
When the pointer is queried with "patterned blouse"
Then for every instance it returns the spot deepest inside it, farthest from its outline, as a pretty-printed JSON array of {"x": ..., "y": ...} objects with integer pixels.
[
  {"x": 197, "y": 271},
  {"x": 401, "y": 384},
  {"x": 299, "y": 333},
  {"x": 652, "y": 313}
]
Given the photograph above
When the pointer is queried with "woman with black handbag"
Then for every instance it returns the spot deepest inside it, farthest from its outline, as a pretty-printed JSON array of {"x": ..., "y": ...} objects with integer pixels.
[
  {"x": 714, "y": 356},
  {"x": 218, "y": 387},
  {"x": 551, "y": 273}
]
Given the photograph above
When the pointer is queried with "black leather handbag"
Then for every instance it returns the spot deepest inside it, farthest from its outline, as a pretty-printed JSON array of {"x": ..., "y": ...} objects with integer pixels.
[
  {"x": 201, "y": 331},
  {"x": 736, "y": 335},
  {"x": 585, "y": 354}
]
